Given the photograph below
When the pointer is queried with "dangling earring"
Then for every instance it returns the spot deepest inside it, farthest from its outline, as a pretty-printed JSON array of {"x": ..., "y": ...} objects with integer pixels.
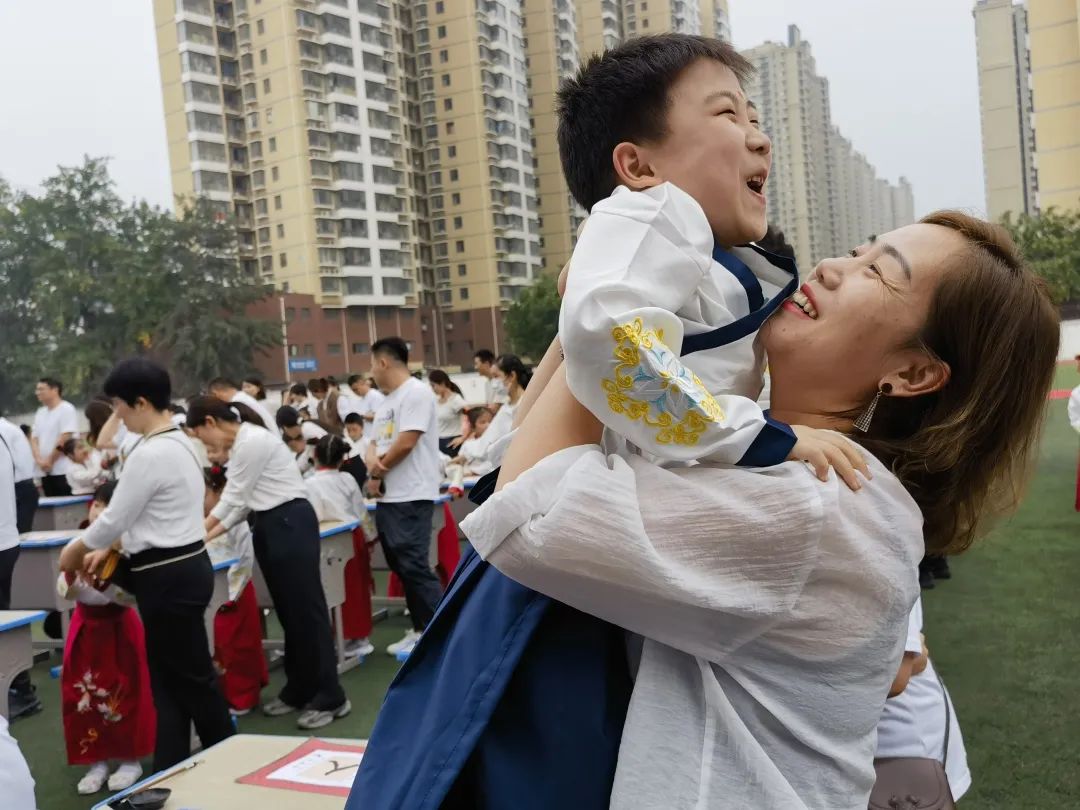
[{"x": 862, "y": 424}]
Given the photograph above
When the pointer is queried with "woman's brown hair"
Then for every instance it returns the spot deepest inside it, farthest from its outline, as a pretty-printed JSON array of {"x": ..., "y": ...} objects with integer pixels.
[{"x": 965, "y": 452}]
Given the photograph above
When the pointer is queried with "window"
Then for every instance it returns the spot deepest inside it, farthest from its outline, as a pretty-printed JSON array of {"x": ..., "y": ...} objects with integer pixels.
[
  {"x": 273, "y": 144},
  {"x": 453, "y": 175},
  {"x": 446, "y": 80},
  {"x": 463, "y": 293},
  {"x": 455, "y": 198},
  {"x": 283, "y": 259},
  {"x": 333, "y": 349},
  {"x": 448, "y": 104},
  {"x": 444, "y": 56},
  {"x": 461, "y": 270},
  {"x": 260, "y": 207},
  {"x": 439, "y": 7},
  {"x": 280, "y": 231},
  {"x": 449, "y": 127},
  {"x": 266, "y": 86},
  {"x": 359, "y": 285},
  {"x": 269, "y": 115},
  {"x": 360, "y": 348},
  {"x": 440, "y": 32},
  {"x": 264, "y": 236},
  {"x": 451, "y": 151},
  {"x": 262, "y": 57},
  {"x": 459, "y": 246},
  {"x": 305, "y": 315},
  {"x": 274, "y": 175},
  {"x": 277, "y": 200},
  {"x": 260, "y": 27},
  {"x": 457, "y": 223}
]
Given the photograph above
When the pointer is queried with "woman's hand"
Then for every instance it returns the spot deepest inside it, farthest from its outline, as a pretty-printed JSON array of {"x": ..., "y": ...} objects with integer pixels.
[
  {"x": 823, "y": 449},
  {"x": 71, "y": 558},
  {"x": 93, "y": 560},
  {"x": 460, "y": 440}
]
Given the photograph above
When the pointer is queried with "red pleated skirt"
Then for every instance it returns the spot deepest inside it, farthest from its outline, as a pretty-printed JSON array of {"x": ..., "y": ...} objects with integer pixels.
[
  {"x": 356, "y": 610},
  {"x": 106, "y": 702},
  {"x": 238, "y": 650}
]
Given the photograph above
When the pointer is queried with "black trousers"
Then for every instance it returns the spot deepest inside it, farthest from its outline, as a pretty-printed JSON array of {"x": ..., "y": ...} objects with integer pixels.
[
  {"x": 53, "y": 485},
  {"x": 172, "y": 601},
  {"x": 405, "y": 535},
  {"x": 26, "y": 501},
  {"x": 444, "y": 445},
  {"x": 287, "y": 546}
]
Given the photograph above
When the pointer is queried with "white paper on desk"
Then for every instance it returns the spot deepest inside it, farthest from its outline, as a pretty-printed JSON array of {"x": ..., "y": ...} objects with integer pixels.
[{"x": 321, "y": 768}]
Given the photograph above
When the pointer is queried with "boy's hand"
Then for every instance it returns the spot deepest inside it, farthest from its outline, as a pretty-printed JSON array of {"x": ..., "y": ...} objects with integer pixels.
[{"x": 823, "y": 449}]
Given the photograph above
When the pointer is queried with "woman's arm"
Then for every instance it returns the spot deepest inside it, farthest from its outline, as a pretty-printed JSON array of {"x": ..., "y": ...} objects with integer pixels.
[
  {"x": 702, "y": 559},
  {"x": 106, "y": 439},
  {"x": 542, "y": 375}
]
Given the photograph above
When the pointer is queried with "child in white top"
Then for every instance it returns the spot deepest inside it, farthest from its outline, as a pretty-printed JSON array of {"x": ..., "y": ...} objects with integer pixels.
[
  {"x": 85, "y": 474},
  {"x": 354, "y": 435},
  {"x": 336, "y": 497},
  {"x": 473, "y": 455}
]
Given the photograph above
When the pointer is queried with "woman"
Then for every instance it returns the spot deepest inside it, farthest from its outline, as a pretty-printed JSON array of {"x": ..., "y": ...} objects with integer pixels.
[
  {"x": 253, "y": 387},
  {"x": 156, "y": 514},
  {"x": 770, "y": 607},
  {"x": 448, "y": 409},
  {"x": 264, "y": 480},
  {"x": 514, "y": 376},
  {"x": 326, "y": 405}
]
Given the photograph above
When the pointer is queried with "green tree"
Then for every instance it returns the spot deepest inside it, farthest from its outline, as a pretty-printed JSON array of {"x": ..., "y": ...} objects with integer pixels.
[
  {"x": 533, "y": 319},
  {"x": 86, "y": 279},
  {"x": 1051, "y": 243}
]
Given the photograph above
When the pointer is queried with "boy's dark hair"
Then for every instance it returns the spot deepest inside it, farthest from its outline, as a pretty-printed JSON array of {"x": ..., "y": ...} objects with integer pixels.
[
  {"x": 622, "y": 95},
  {"x": 392, "y": 347},
  {"x": 354, "y": 419},
  {"x": 299, "y": 389},
  {"x": 219, "y": 383},
  {"x": 485, "y": 356},
  {"x": 52, "y": 382},
  {"x": 138, "y": 377},
  {"x": 354, "y": 378},
  {"x": 287, "y": 417},
  {"x": 104, "y": 493},
  {"x": 774, "y": 242}
]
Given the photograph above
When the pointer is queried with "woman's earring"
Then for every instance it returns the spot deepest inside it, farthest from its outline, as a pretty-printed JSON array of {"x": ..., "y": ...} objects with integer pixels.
[{"x": 862, "y": 424}]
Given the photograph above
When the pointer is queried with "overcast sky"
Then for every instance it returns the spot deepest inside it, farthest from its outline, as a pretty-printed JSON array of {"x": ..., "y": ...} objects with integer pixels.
[{"x": 80, "y": 77}]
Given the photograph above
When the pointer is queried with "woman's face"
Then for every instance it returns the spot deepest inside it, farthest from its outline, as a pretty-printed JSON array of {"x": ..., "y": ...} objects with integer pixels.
[
  {"x": 250, "y": 389},
  {"x": 213, "y": 436},
  {"x": 438, "y": 388},
  {"x": 866, "y": 309}
]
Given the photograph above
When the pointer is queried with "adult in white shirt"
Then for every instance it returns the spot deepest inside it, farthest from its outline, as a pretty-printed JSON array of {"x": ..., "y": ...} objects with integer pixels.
[
  {"x": 227, "y": 391},
  {"x": 758, "y": 591},
  {"x": 300, "y": 435},
  {"x": 156, "y": 516},
  {"x": 449, "y": 409},
  {"x": 404, "y": 459},
  {"x": 22, "y": 455},
  {"x": 495, "y": 394},
  {"x": 370, "y": 397},
  {"x": 920, "y": 721},
  {"x": 55, "y": 422},
  {"x": 263, "y": 480}
]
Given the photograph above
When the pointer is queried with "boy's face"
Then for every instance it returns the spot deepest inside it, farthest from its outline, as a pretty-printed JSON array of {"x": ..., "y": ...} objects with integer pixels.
[
  {"x": 354, "y": 431},
  {"x": 96, "y": 508},
  {"x": 714, "y": 151}
]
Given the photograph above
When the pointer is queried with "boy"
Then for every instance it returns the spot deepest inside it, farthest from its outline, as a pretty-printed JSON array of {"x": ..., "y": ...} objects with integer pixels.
[
  {"x": 354, "y": 435},
  {"x": 508, "y": 687},
  {"x": 661, "y": 311}
]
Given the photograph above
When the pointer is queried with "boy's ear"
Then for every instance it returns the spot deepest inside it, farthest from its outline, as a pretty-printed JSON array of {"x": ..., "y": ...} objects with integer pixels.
[{"x": 633, "y": 168}]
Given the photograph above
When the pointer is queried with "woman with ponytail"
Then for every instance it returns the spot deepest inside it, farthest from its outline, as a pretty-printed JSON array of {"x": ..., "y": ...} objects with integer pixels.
[
  {"x": 335, "y": 495},
  {"x": 264, "y": 481}
]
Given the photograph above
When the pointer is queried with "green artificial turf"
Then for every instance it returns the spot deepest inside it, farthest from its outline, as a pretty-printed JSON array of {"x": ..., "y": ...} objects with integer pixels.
[{"x": 1004, "y": 632}]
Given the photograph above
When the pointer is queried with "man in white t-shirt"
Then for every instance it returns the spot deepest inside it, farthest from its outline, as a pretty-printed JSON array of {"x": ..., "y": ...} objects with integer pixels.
[
  {"x": 55, "y": 422},
  {"x": 228, "y": 391},
  {"x": 369, "y": 398},
  {"x": 495, "y": 394},
  {"x": 403, "y": 464},
  {"x": 22, "y": 455}
]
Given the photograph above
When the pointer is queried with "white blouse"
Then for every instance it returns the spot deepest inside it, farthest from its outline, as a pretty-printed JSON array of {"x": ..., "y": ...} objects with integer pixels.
[
  {"x": 773, "y": 609},
  {"x": 235, "y": 544},
  {"x": 262, "y": 475},
  {"x": 335, "y": 496},
  {"x": 449, "y": 415}
]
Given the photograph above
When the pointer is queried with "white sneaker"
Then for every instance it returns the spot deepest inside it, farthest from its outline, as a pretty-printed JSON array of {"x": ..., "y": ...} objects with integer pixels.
[
  {"x": 405, "y": 646},
  {"x": 125, "y": 776},
  {"x": 94, "y": 780},
  {"x": 358, "y": 648}
]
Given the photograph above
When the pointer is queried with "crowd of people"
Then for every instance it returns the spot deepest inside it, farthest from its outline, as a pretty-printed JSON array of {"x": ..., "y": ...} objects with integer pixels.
[
  {"x": 176, "y": 486},
  {"x": 675, "y": 594}
]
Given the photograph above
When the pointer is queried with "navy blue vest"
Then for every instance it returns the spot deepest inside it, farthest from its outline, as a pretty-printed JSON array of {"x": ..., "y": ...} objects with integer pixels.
[{"x": 511, "y": 699}]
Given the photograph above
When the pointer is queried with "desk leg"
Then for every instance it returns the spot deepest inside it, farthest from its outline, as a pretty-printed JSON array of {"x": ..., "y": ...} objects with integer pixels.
[{"x": 16, "y": 655}]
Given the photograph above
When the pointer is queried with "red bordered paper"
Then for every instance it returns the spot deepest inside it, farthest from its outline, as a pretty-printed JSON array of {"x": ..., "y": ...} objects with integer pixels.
[{"x": 316, "y": 766}]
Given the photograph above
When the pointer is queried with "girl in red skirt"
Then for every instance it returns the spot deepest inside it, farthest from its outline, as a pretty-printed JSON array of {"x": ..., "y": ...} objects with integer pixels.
[
  {"x": 107, "y": 705},
  {"x": 238, "y": 638},
  {"x": 335, "y": 496}
]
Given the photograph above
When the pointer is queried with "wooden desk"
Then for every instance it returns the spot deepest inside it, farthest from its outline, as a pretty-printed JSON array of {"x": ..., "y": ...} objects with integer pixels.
[
  {"x": 16, "y": 650},
  {"x": 212, "y": 785},
  {"x": 33, "y": 583},
  {"x": 61, "y": 512}
]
